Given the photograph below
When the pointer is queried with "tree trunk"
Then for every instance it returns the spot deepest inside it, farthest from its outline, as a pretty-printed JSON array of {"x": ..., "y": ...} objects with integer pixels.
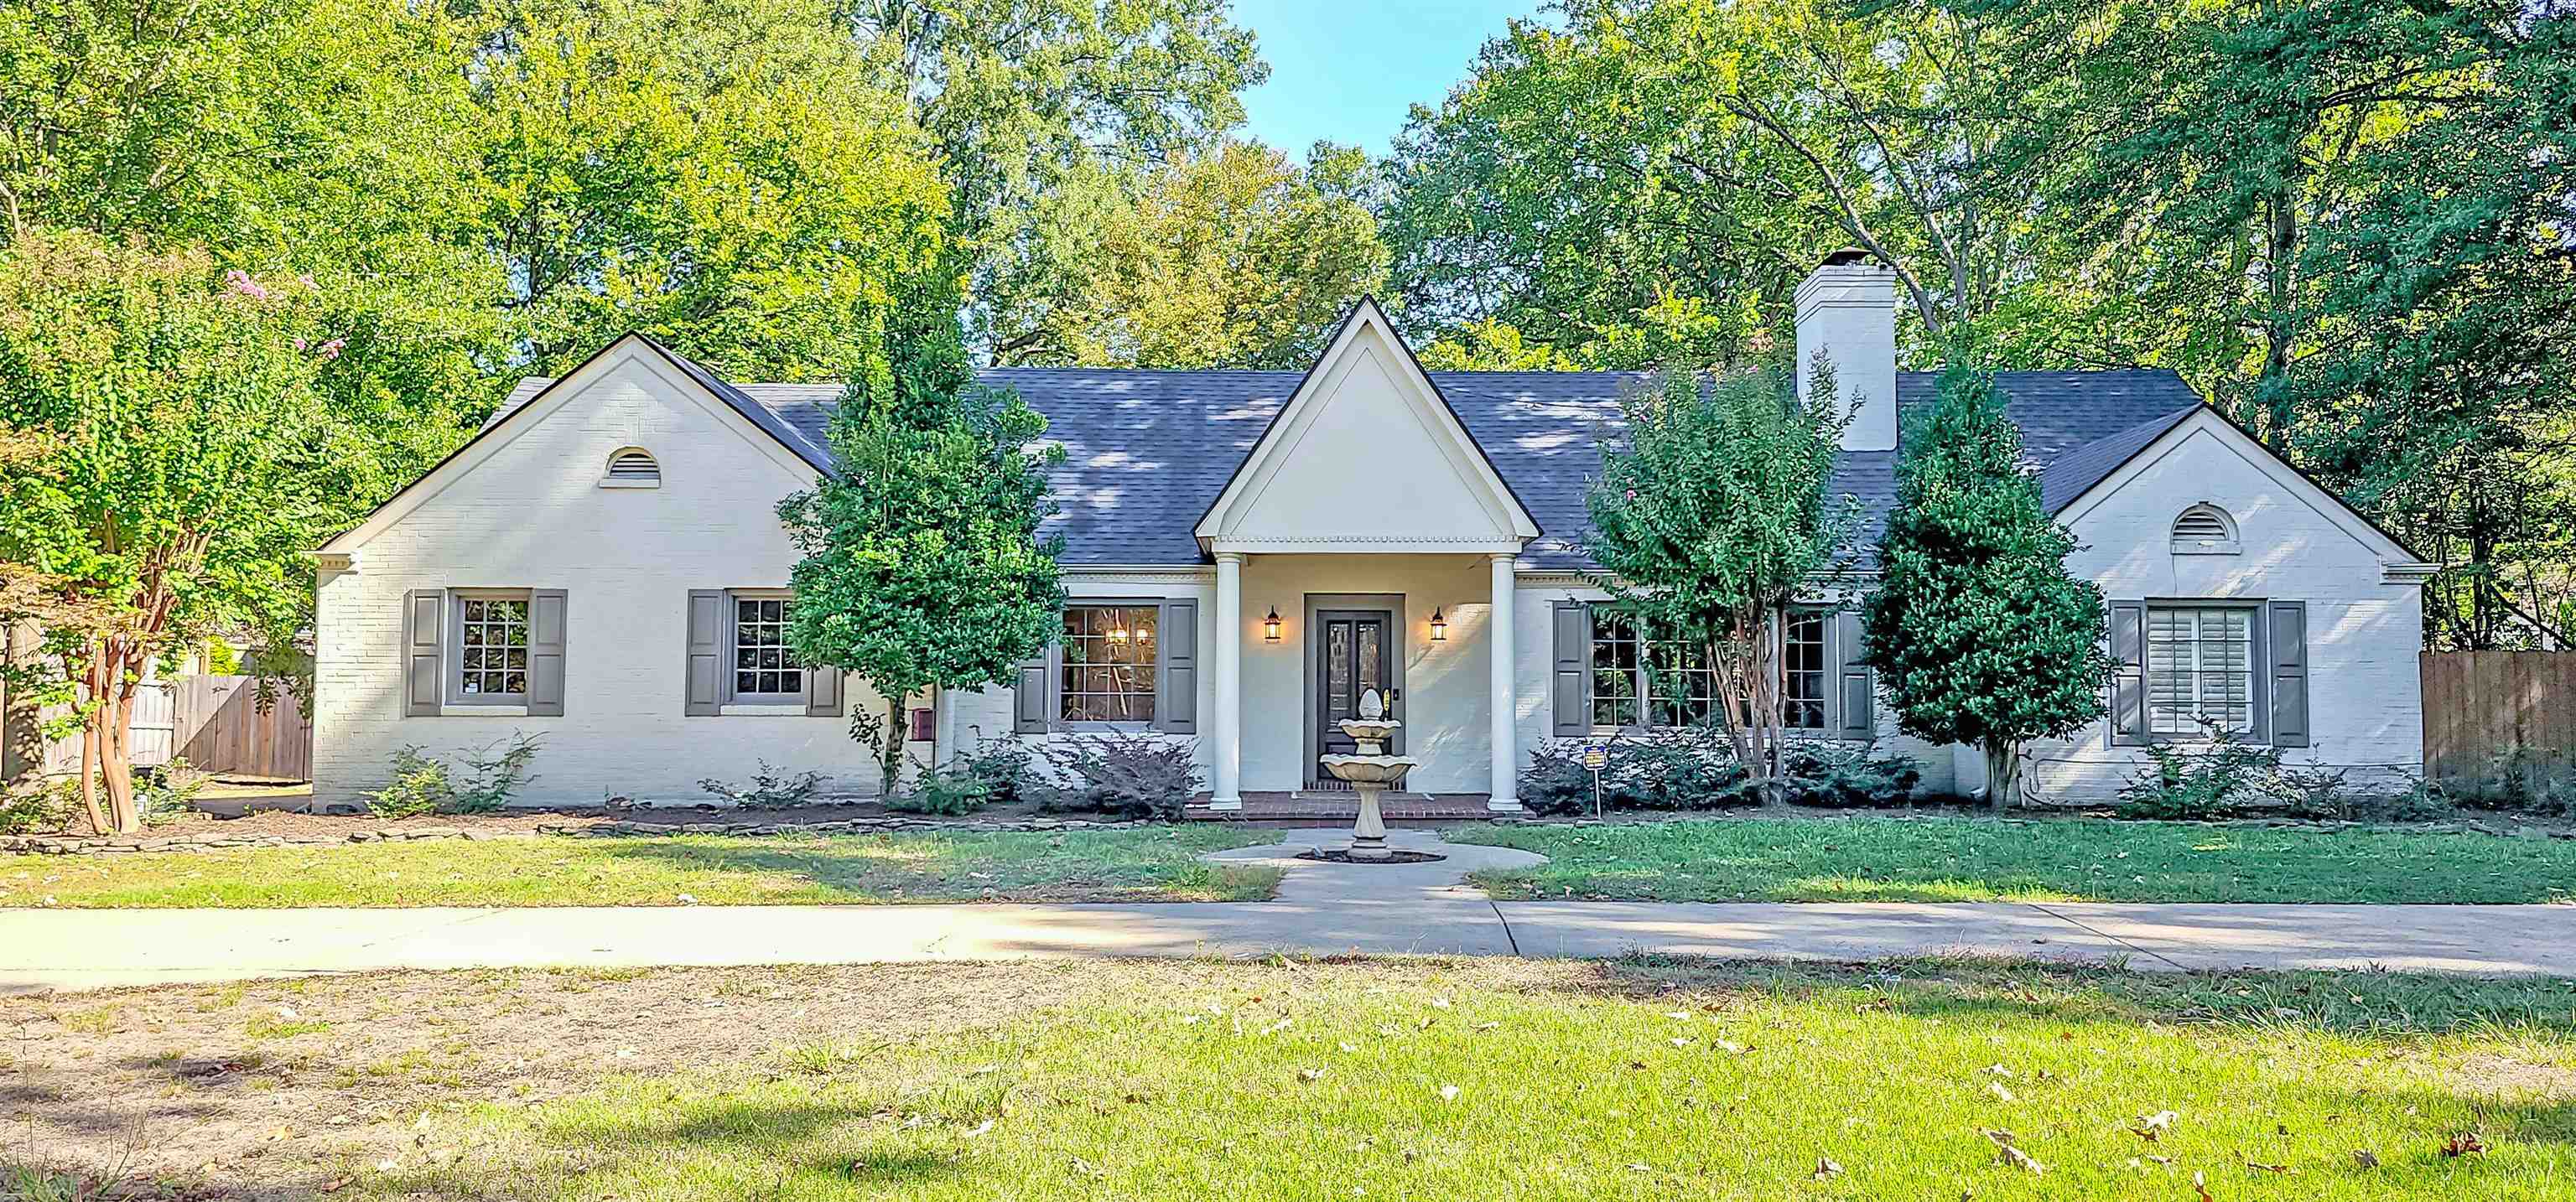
[
  {"x": 890, "y": 756},
  {"x": 110, "y": 730},
  {"x": 2003, "y": 775},
  {"x": 89, "y": 778}
]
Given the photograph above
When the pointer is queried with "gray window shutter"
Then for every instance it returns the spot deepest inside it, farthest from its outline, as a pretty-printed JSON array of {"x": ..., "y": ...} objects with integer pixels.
[
  {"x": 2288, "y": 636},
  {"x": 702, "y": 688},
  {"x": 546, "y": 653},
  {"x": 823, "y": 694},
  {"x": 1176, "y": 676},
  {"x": 1857, "y": 688},
  {"x": 2128, "y": 673},
  {"x": 424, "y": 651},
  {"x": 1029, "y": 698},
  {"x": 1570, "y": 668}
]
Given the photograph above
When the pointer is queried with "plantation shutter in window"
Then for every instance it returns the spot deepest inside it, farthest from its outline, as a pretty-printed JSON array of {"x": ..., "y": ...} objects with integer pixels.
[
  {"x": 702, "y": 690},
  {"x": 2288, "y": 652},
  {"x": 823, "y": 693},
  {"x": 1570, "y": 665},
  {"x": 424, "y": 651},
  {"x": 1857, "y": 686},
  {"x": 1176, "y": 675},
  {"x": 1029, "y": 698},
  {"x": 2128, "y": 673},
  {"x": 546, "y": 615}
]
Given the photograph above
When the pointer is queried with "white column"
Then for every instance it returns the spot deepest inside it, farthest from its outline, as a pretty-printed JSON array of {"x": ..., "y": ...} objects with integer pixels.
[
  {"x": 1226, "y": 724},
  {"x": 1505, "y": 797}
]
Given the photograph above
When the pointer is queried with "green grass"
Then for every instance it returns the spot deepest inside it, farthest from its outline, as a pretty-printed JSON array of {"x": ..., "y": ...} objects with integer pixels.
[
  {"x": 1882, "y": 858},
  {"x": 1636, "y": 1080},
  {"x": 1157, "y": 864}
]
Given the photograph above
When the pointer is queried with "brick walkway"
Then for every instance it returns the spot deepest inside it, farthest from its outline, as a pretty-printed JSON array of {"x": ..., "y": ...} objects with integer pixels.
[{"x": 1298, "y": 807}]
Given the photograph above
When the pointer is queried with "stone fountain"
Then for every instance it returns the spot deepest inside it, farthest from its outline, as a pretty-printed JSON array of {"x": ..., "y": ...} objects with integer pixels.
[{"x": 1370, "y": 772}]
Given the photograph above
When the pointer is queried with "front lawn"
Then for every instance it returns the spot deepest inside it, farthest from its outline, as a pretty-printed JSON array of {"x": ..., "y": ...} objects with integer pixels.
[
  {"x": 1150, "y": 864},
  {"x": 1308, "y": 1080},
  {"x": 1886, "y": 858}
]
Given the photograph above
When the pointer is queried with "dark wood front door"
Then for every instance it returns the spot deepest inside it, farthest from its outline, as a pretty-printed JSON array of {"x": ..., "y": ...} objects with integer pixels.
[{"x": 1352, "y": 654}]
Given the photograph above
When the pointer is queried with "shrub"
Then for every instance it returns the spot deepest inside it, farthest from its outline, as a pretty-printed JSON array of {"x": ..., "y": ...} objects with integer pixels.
[
  {"x": 1008, "y": 768},
  {"x": 495, "y": 772},
  {"x": 36, "y": 808},
  {"x": 1685, "y": 768},
  {"x": 770, "y": 788},
  {"x": 484, "y": 779},
  {"x": 948, "y": 791},
  {"x": 419, "y": 786},
  {"x": 2520, "y": 780},
  {"x": 166, "y": 793},
  {"x": 1122, "y": 775},
  {"x": 1842, "y": 777},
  {"x": 1694, "y": 768}
]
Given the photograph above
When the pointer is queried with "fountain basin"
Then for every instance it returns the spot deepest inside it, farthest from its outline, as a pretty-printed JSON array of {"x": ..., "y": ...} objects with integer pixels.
[
  {"x": 1380, "y": 770},
  {"x": 1370, "y": 730}
]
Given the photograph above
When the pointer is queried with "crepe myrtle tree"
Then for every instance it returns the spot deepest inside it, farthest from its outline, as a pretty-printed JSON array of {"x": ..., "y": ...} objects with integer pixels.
[
  {"x": 1978, "y": 633},
  {"x": 168, "y": 457},
  {"x": 923, "y": 565},
  {"x": 1711, "y": 509}
]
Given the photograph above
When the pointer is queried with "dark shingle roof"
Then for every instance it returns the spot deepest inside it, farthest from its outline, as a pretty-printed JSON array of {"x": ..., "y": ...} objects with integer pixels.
[{"x": 1146, "y": 452}]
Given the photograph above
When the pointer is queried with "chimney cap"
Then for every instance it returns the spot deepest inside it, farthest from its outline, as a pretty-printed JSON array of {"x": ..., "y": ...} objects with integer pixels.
[{"x": 1849, "y": 256}]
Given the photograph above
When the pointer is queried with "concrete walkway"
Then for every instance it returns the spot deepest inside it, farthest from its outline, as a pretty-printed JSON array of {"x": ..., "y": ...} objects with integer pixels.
[{"x": 1321, "y": 909}]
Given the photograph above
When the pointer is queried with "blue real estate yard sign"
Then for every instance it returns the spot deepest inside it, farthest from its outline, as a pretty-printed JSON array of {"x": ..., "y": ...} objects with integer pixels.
[{"x": 1596, "y": 756}]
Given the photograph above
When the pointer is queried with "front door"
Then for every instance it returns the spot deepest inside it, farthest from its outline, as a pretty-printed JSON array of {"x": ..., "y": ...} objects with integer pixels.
[{"x": 1352, "y": 654}]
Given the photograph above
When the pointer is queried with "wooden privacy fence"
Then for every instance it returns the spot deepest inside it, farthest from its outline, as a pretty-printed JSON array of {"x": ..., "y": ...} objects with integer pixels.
[
  {"x": 213, "y": 722},
  {"x": 2492, "y": 712}
]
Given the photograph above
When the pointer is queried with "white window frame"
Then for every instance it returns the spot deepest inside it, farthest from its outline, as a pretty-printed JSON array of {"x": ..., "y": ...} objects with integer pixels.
[
  {"x": 1642, "y": 694},
  {"x": 452, "y": 661},
  {"x": 1055, "y": 660},
  {"x": 1824, "y": 671},
  {"x": 732, "y": 644},
  {"x": 2251, "y": 613}
]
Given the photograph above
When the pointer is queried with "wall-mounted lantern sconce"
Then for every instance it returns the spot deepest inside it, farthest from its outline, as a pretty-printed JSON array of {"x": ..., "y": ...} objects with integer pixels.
[
  {"x": 1439, "y": 627},
  {"x": 1270, "y": 626}
]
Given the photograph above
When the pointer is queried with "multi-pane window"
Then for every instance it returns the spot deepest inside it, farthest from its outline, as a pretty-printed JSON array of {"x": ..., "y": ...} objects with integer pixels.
[
  {"x": 2200, "y": 670},
  {"x": 762, "y": 668},
  {"x": 1802, "y": 670},
  {"x": 1108, "y": 672},
  {"x": 1637, "y": 680},
  {"x": 1615, "y": 684},
  {"x": 492, "y": 648}
]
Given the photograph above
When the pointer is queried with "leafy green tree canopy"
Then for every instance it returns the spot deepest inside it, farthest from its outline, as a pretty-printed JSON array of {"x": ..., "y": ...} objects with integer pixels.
[
  {"x": 1977, "y": 631},
  {"x": 1712, "y": 508},
  {"x": 924, "y": 566},
  {"x": 186, "y": 460}
]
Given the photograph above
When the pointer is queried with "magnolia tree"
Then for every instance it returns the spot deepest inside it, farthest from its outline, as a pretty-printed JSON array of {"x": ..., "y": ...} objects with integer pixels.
[
  {"x": 1711, "y": 509},
  {"x": 923, "y": 566},
  {"x": 1978, "y": 633},
  {"x": 170, "y": 458}
]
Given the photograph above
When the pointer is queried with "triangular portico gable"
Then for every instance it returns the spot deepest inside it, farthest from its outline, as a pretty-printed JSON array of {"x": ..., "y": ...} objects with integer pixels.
[{"x": 1366, "y": 456}]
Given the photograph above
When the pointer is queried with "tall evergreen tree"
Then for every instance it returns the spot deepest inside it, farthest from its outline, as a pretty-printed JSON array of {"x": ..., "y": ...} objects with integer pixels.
[
  {"x": 923, "y": 563},
  {"x": 1977, "y": 631}
]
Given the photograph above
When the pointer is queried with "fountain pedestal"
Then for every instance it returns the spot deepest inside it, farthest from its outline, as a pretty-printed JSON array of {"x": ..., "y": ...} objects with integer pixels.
[{"x": 1370, "y": 772}]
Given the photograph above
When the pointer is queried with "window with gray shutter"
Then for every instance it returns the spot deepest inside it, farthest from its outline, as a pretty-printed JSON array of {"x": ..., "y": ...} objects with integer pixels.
[
  {"x": 424, "y": 665},
  {"x": 703, "y": 683},
  {"x": 2128, "y": 724},
  {"x": 547, "y": 617},
  {"x": 1856, "y": 695},
  {"x": 1177, "y": 675},
  {"x": 2287, "y": 649},
  {"x": 1029, "y": 701},
  {"x": 1569, "y": 676}
]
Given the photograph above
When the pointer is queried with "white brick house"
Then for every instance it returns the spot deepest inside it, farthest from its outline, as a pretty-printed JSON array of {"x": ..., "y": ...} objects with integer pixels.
[{"x": 1245, "y": 550}]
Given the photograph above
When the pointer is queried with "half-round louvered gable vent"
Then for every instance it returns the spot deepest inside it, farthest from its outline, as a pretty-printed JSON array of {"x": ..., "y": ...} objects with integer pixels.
[
  {"x": 2204, "y": 529},
  {"x": 633, "y": 467}
]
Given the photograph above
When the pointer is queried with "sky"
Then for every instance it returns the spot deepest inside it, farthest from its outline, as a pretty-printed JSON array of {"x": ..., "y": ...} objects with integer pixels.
[{"x": 1349, "y": 70}]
